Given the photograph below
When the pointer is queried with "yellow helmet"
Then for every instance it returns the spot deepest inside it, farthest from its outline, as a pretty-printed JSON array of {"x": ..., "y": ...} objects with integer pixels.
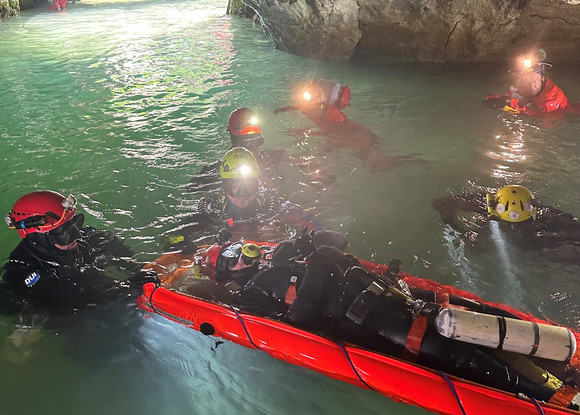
[
  {"x": 251, "y": 253},
  {"x": 512, "y": 203},
  {"x": 239, "y": 163}
]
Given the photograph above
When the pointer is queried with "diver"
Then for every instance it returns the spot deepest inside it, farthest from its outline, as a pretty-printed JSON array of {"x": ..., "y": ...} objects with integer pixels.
[
  {"x": 339, "y": 298},
  {"x": 244, "y": 130},
  {"x": 273, "y": 289},
  {"x": 533, "y": 227},
  {"x": 60, "y": 265},
  {"x": 321, "y": 102},
  {"x": 243, "y": 207},
  {"x": 533, "y": 94}
]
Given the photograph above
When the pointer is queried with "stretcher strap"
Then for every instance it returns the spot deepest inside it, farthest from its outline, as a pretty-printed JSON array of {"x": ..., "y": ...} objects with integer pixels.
[
  {"x": 442, "y": 298},
  {"x": 414, "y": 338},
  {"x": 291, "y": 293},
  {"x": 454, "y": 391},
  {"x": 564, "y": 395}
]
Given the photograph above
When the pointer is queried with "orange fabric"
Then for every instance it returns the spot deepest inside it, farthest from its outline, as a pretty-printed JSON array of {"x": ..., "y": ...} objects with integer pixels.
[
  {"x": 290, "y": 294},
  {"x": 333, "y": 114},
  {"x": 551, "y": 98},
  {"x": 564, "y": 395},
  {"x": 414, "y": 338},
  {"x": 442, "y": 298}
]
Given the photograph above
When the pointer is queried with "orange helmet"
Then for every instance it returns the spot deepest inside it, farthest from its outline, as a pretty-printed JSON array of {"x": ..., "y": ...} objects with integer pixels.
[
  {"x": 40, "y": 212},
  {"x": 244, "y": 129}
]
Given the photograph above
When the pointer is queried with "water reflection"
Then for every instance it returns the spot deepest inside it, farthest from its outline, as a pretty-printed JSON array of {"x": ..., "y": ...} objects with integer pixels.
[{"x": 510, "y": 152}]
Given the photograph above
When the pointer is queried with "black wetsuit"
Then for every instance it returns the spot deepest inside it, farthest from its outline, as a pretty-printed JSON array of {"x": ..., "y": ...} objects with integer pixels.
[
  {"x": 43, "y": 276},
  {"x": 268, "y": 218},
  {"x": 553, "y": 235},
  {"x": 274, "y": 166}
]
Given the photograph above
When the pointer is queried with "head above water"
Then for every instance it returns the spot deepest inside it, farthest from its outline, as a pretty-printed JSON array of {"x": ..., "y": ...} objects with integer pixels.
[
  {"x": 530, "y": 84},
  {"x": 240, "y": 172},
  {"x": 47, "y": 217},
  {"x": 244, "y": 129},
  {"x": 512, "y": 203},
  {"x": 313, "y": 94},
  {"x": 40, "y": 211}
]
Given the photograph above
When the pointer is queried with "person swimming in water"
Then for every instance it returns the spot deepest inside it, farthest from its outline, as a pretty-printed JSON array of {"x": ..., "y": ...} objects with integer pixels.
[
  {"x": 533, "y": 227},
  {"x": 245, "y": 131},
  {"x": 59, "y": 265},
  {"x": 243, "y": 206},
  {"x": 533, "y": 93},
  {"x": 321, "y": 102}
]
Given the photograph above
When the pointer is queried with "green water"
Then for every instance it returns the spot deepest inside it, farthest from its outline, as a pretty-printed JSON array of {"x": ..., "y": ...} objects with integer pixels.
[{"x": 121, "y": 103}]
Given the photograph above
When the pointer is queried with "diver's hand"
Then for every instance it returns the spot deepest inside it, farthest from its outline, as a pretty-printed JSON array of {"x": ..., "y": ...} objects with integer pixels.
[
  {"x": 496, "y": 101},
  {"x": 223, "y": 236},
  {"x": 304, "y": 244},
  {"x": 143, "y": 277},
  {"x": 180, "y": 243},
  {"x": 287, "y": 108}
]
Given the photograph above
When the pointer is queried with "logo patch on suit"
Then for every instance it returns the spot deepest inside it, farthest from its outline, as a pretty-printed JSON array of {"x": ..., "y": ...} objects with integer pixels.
[{"x": 32, "y": 279}]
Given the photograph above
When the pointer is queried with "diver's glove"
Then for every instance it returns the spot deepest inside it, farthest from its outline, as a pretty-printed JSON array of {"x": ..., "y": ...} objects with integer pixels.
[
  {"x": 223, "y": 236},
  {"x": 180, "y": 243},
  {"x": 496, "y": 101},
  {"x": 303, "y": 244},
  {"x": 143, "y": 277}
]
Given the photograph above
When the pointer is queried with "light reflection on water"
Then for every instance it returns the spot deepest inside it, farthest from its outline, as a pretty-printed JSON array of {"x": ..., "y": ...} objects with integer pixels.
[{"x": 124, "y": 102}]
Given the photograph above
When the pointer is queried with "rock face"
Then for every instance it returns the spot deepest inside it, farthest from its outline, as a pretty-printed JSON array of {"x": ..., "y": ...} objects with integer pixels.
[
  {"x": 427, "y": 30},
  {"x": 9, "y": 8}
]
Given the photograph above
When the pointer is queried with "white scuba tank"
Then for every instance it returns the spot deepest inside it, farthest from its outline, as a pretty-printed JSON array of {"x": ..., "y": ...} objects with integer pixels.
[{"x": 503, "y": 333}]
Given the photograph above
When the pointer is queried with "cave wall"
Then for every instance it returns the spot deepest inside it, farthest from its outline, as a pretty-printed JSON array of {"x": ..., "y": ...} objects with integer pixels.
[{"x": 426, "y": 30}]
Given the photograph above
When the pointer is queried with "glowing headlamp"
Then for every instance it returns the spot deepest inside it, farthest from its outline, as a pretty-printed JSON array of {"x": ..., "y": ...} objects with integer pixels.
[{"x": 245, "y": 170}]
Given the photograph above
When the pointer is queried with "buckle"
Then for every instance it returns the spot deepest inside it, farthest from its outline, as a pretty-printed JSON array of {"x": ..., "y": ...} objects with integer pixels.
[{"x": 375, "y": 288}]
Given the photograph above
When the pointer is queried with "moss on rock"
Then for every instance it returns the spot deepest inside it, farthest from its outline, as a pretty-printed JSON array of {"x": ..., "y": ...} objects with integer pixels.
[{"x": 9, "y": 8}]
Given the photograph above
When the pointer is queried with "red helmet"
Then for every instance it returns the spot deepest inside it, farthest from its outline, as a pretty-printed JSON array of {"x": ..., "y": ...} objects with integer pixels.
[
  {"x": 41, "y": 211},
  {"x": 243, "y": 121}
]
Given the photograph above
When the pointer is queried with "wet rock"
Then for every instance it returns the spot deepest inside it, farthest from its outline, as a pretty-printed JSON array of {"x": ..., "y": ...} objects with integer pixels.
[
  {"x": 9, "y": 8},
  {"x": 427, "y": 30}
]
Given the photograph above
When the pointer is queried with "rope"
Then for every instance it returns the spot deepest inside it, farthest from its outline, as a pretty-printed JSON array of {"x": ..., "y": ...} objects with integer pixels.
[
  {"x": 338, "y": 343},
  {"x": 454, "y": 391},
  {"x": 151, "y": 300},
  {"x": 540, "y": 410},
  {"x": 352, "y": 366},
  {"x": 244, "y": 326}
]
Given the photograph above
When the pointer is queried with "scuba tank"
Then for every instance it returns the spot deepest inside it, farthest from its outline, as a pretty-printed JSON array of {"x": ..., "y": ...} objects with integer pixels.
[
  {"x": 337, "y": 95},
  {"x": 504, "y": 333}
]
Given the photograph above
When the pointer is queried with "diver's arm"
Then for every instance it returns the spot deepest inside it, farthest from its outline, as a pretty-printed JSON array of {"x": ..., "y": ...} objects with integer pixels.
[
  {"x": 287, "y": 108},
  {"x": 448, "y": 207}
]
